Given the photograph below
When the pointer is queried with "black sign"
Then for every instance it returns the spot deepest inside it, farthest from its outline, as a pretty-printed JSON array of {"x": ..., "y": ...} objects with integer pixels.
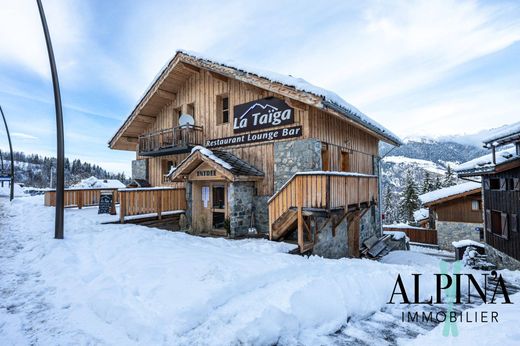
[
  {"x": 105, "y": 203},
  {"x": 264, "y": 136},
  {"x": 262, "y": 114}
]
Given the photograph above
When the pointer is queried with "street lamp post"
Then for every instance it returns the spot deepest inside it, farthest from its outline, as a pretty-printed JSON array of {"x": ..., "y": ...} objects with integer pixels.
[
  {"x": 60, "y": 157},
  {"x": 11, "y": 193}
]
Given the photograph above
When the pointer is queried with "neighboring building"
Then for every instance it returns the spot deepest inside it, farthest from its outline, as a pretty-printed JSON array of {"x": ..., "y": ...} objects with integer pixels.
[
  {"x": 256, "y": 149},
  {"x": 456, "y": 213},
  {"x": 95, "y": 183},
  {"x": 422, "y": 217},
  {"x": 500, "y": 172}
]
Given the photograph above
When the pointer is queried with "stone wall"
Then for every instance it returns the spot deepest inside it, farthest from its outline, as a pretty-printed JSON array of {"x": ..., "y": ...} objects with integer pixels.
[
  {"x": 240, "y": 199},
  {"x": 140, "y": 169},
  {"x": 261, "y": 214},
  {"x": 501, "y": 260},
  {"x": 448, "y": 232},
  {"x": 370, "y": 225},
  {"x": 295, "y": 156},
  {"x": 189, "y": 201}
]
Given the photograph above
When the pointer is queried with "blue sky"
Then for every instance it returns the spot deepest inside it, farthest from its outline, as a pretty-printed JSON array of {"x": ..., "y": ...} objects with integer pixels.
[{"x": 432, "y": 68}]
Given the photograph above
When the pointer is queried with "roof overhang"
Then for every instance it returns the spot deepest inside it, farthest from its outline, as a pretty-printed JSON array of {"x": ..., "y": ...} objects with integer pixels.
[
  {"x": 182, "y": 66},
  {"x": 476, "y": 192},
  {"x": 491, "y": 169}
]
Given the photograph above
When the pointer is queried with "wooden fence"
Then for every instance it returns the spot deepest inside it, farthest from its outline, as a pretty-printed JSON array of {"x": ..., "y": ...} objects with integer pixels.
[
  {"x": 416, "y": 234},
  {"x": 79, "y": 197},
  {"x": 150, "y": 201}
]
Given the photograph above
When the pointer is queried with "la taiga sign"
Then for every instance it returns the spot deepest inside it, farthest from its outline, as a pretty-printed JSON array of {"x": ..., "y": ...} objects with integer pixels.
[{"x": 262, "y": 114}]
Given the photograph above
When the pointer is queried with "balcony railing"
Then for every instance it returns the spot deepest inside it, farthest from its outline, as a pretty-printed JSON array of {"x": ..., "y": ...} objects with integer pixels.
[{"x": 176, "y": 140}]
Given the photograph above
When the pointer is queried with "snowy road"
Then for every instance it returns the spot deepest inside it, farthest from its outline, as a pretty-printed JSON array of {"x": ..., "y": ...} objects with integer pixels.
[{"x": 127, "y": 284}]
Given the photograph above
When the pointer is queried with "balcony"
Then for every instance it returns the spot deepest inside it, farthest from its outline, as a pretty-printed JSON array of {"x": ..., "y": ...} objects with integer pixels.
[{"x": 177, "y": 140}]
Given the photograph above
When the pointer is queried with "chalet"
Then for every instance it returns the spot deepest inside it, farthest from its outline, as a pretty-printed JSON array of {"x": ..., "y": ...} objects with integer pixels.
[
  {"x": 258, "y": 151},
  {"x": 455, "y": 212},
  {"x": 500, "y": 172}
]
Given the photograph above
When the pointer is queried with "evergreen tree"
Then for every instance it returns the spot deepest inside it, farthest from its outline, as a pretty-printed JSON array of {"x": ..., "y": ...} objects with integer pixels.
[
  {"x": 410, "y": 198},
  {"x": 427, "y": 183},
  {"x": 437, "y": 183},
  {"x": 388, "y": 206},
  {"x": 449, "y": 178}
]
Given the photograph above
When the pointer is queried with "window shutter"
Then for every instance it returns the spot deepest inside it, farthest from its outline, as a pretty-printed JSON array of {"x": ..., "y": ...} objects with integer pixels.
[
  {"x": 503, "y": 184},
  {"x": 486, "y": 184},
  {"x": 514, "y": 223},
  {"x": 505, "y": 226},
  {"x": 488, "y": 220},
  {"x": 517, "y": 184}
]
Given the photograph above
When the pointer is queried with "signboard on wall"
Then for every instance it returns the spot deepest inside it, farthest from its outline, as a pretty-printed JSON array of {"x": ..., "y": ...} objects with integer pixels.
[
  {"x": 264, "y": 136},
  {"x": 262, "y": 114}
]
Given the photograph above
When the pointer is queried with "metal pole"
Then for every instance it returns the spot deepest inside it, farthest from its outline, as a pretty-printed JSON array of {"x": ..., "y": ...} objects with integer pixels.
[
  {"x": 60, "y": 159},
  {"x": 11, "y": 194},
  {"x": 2, "y": 161}
]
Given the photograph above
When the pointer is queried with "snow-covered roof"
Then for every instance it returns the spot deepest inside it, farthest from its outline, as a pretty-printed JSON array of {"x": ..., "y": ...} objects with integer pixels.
[
  {"x": 503, "y": 136},
  {"x": 95, "y": 183},
  {"x": 330, "y": 99},
  {"x": 485, "y": 164},
  {"x": 447, "y": 192},
  {"x": 421, "y": 214},
  {"x": 466, "y": 242},
  {"x": 224, "y": 159}
]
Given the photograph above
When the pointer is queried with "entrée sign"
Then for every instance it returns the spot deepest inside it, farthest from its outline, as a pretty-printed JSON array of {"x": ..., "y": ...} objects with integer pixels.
[{"x": 264, "y": 136}]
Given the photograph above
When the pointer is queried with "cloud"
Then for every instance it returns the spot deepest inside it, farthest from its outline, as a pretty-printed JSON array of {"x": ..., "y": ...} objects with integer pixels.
[{"x": 21, "y": 135}]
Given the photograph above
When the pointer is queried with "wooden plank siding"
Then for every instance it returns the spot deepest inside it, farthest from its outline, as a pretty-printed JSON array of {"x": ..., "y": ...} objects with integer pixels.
[
  {"x": 425, "y": 236},
  {"x": 459, "y": 210},
  {"x": 149, "y": 201},
  {"x": 505, "y": 200},
  {"x": 202, "y": 89}
]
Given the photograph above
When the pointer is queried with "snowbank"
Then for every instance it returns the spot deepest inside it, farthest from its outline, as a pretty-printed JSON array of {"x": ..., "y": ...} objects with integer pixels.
[
  {"x": 127, "y": 284},
  {"x": 467, "y": 242},
  {"x": 396, "y": 235},
  {"x": 95, "y": 183},
  {"x": 402, "y": 225},
  {"x": 5, "y": 191},
  {"x": 449, "y": 191}
]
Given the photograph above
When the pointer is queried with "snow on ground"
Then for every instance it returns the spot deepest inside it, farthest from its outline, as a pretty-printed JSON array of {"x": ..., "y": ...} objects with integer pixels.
[
  {"x": 5, "y": 191},
  {"x": 505, "y": 332},
  {"x": 128, "y": 284}
]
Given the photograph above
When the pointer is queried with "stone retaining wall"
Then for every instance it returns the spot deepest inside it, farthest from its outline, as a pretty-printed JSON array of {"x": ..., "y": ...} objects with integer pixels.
[{"x": 448, "y": 232}]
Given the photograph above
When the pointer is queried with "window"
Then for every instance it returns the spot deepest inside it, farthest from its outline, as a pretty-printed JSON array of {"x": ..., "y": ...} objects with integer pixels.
[
  {"x": 222, "y": 109},
  {"x": 475, "y": 205},
  {"x": 498, "y": 223},
  {"x": 325, "y": 157},
  {"x": 219, "y": 199},
  {"x": 190, "y": 109},
  {"x": 494, "y": 184},
  {"x": 345, "y": 161}
]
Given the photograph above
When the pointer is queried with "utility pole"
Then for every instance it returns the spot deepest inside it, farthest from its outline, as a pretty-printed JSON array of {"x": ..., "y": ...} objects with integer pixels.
[
  {"x": 11, "y": 194},
  {"x": 2, "y": 161},
  {"x": 60, "y": 157}
]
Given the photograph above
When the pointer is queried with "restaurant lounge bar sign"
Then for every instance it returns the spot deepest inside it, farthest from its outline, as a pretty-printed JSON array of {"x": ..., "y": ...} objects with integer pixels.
[{"x": 257, "y": 115}]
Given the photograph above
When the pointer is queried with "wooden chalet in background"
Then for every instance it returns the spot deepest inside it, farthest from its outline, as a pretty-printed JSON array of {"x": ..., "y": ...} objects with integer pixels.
[
  {"x": 456, "y": 213},
  {"x": 259, "y": 150},
  {"x": 500, "y": 172}
]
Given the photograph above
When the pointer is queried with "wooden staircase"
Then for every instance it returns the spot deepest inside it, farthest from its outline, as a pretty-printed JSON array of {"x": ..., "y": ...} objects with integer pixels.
[{"x": 309, "y": 196}]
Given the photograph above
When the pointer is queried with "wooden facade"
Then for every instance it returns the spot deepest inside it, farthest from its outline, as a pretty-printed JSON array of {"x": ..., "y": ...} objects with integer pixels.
[
  {"x": 502, "y": 211},
  {"x": 208, "y": 92},
  {"x": 466, "y": 209}
]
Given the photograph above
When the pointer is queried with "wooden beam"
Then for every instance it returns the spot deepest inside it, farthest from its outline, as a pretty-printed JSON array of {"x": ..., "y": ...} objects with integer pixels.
[
  {"x": 296, "y": 104},
  {"x": 166, "y": 95},
  {"x": 218, "y": 76},
  {"x": 131, "y": 139},
  {"x": 190, "y": 67},
  {"x": 145, "y": 118}
]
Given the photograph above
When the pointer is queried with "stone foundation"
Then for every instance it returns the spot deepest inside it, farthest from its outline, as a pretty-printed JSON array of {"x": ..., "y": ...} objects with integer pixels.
[
  {"x": 448, "y": 232},
  {"x": 500, "y": 259},
  {"x": 261, "y": 214}
]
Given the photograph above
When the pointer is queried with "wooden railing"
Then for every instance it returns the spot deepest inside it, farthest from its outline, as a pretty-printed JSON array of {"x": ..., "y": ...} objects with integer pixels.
[
  {"x": 150, "y": 201},
  {"x": 180, "y": 137},
  {"x": 416, "y": 234},
  {"x": 78, "y": 197},
  {"x": 322, "y": 190}
]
